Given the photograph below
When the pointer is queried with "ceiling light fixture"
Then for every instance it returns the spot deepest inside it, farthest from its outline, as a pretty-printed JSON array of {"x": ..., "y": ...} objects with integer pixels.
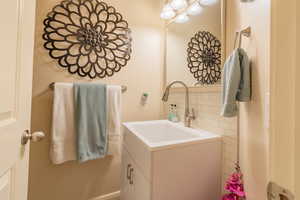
[{"x": 179, "y": 10}]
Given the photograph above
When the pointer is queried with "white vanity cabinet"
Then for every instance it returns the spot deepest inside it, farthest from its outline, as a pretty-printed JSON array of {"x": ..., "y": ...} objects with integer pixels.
[{"x": 188, "y": 167}]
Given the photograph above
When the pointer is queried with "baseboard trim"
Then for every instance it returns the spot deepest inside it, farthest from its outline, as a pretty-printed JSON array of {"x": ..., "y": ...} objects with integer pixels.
[{"x": 107, "y": 196}]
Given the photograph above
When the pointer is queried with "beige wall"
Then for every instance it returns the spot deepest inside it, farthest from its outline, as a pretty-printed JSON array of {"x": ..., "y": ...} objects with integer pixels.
[
  {"x": 179, "y": 35},
  {"x": 143, "y": 73},
  {"x": 254, "y": 132}
]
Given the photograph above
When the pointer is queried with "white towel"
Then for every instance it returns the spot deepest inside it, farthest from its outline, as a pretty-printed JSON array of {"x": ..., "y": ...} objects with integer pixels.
[
  {"x": 114, "y": 104},
  {"x": 63, "y": 141}
]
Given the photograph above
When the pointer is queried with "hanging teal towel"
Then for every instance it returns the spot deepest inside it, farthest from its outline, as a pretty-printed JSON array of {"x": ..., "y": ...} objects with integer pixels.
[
  {"x": 235, "y": 82},
  {"x": 90, "y": 121}
]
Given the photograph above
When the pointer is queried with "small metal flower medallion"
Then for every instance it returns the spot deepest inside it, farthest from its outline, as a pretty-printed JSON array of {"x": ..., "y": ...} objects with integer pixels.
[
  {"x": 87, "y": 37},
  {"x": 204, "y": 57}
]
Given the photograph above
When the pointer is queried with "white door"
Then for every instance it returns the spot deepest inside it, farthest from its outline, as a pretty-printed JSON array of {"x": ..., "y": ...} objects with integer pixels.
[{"x": 17, "y": 19}]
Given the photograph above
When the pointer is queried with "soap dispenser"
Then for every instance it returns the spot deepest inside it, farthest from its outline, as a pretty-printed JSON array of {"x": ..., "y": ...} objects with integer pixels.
[
  {"x": 171, "y": 112},
  {"x": 173, "y": 115}
]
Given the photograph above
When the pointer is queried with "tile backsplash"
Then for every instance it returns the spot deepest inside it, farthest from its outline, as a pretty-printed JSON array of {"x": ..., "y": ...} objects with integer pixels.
[{"x": 207, "y": 106}]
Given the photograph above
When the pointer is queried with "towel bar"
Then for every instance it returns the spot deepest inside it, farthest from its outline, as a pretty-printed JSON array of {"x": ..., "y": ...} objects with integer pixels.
[
  {"x": 239, "y": 34},
  {"x": 51, "y": 86}
]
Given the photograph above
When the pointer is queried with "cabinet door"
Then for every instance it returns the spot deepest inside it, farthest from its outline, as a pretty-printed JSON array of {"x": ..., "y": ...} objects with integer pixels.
[
  {"x": 141, "y": 187},
  {"x": 134, "y": 185},
  {"x": 126, "y": 189}
]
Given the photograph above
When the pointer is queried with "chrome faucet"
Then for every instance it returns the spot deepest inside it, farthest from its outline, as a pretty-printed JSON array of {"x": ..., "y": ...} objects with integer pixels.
[{"x": 189, "y": 115}]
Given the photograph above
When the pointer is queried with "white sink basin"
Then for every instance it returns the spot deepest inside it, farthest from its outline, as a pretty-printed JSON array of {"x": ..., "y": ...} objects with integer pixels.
[{"x": 165, "y": 133}]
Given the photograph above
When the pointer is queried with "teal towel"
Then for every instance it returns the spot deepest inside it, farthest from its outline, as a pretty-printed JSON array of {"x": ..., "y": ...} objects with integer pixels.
[
  {"x": 235, "y": 82},
  {"x": 90, "y": 120}
]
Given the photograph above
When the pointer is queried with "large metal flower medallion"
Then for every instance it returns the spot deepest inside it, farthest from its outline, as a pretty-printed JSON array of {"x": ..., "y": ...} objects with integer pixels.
[
  {"x": 87, "y": 37},
  {"x": 204, "y": 57}
]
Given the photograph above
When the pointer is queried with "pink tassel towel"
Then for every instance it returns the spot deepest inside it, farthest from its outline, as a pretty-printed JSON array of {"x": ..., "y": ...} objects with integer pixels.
[{"x": 235, "y": 186}]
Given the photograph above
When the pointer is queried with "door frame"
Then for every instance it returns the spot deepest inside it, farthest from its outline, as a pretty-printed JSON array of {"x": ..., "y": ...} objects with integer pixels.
[{"x": 284, "y": 119}]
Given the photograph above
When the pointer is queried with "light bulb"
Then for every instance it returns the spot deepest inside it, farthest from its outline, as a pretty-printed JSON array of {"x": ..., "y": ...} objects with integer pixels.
[
  {"x": 208, "y": 2},
  {"x": 194, "y": 9},
  {"x": 178, "y": 4},
  {"x": 182, "y": 18},
  {"x": 167, "y": 12}
]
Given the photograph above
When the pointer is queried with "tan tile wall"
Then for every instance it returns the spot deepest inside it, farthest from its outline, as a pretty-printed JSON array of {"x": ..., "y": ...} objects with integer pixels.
[{"x": 207, "y": 107}]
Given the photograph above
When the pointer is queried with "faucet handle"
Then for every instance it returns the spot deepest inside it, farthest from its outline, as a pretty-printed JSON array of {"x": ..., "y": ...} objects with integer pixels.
[{"x": 192, "y": 114}]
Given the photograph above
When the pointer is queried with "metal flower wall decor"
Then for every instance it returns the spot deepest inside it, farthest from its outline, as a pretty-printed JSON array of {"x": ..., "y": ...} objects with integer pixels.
[
  {"x": 204, "y": 57},
  {"x": 87, "y": 37}
]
